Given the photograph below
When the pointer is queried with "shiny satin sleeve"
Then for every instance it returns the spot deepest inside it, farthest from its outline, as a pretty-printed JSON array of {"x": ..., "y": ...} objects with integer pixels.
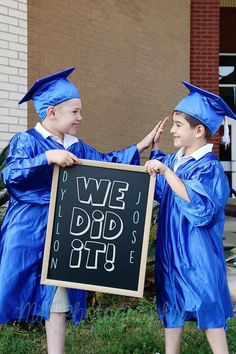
[
  {"x": 160, "y": 180},
  {"x": 129, "y": 155},
  {"x": 26, "y": 174},
  {"x": 208, "y": 191}
]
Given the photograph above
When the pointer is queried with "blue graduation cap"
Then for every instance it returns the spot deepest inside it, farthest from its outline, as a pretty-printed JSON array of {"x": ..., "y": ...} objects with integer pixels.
[
  {"x": 205, "y": 106},
  {"x": 50, "y": 91}
]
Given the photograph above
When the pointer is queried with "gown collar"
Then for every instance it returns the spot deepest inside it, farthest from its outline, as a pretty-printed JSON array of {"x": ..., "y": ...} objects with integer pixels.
[
  {"x": 197, "y": 155},
  {"x": 68, "y": 139}
]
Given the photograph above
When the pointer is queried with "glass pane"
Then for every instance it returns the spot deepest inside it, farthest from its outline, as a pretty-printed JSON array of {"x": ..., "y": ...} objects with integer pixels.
[
  {"x": 229, "y": 95},
  {"x": 227, "y": 69}
]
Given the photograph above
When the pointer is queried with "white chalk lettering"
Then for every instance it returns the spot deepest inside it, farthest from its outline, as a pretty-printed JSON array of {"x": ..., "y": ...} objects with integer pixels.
[
  {"x": 96, "y": 228},
  {"x": 62, "y": 193},
  {"x": 56, "y": 246},
  {"x": 93, "y": 191},
  {"x": 65, "y": 176},
  {"x": 131, "y": 257},
  {"x": 93, "y": 248},
  {"x": 76, "y": 254},
  {"x": 80, "y": 222},
  {"x": 113, "y": 226},
  {"x": 117, "y": 195},
  {"x": 139, "y": 197},
  {"x": 110, "y": 257},
  {"x": 59, "y": 212},
  {"x": 136, "y": 217},
  {"x": 57, "y": 229},
  {"x": 54, "y": 263},
  {"x": 134, "y": 240}
]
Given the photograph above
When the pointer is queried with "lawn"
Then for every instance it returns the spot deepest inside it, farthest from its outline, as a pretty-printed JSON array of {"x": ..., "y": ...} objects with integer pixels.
[{"x": 110, "y": 329}]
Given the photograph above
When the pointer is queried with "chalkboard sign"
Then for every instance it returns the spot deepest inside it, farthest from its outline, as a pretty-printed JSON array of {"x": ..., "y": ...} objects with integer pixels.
[{"x": 98, "y": 228}]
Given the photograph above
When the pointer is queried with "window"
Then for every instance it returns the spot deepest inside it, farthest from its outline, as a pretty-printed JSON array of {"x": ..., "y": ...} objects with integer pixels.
[{"x": 227, "y": 90}]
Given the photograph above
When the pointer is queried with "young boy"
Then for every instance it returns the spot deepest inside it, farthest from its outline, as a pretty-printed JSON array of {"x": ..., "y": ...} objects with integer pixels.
[
  {"x": 192, "y": 190},
  {"x": 28, "y": 176}
]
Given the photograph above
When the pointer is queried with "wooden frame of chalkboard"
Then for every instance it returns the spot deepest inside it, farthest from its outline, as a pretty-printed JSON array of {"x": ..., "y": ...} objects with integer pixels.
[{"x": 98, "y": 228}]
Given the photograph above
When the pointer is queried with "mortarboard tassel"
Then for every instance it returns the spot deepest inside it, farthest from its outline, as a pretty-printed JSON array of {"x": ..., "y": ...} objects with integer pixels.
[{"x": 226, "y": 138}]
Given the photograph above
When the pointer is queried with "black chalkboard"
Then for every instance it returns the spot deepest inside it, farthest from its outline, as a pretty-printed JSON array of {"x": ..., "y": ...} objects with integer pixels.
[{"x": 98, "y": 228}]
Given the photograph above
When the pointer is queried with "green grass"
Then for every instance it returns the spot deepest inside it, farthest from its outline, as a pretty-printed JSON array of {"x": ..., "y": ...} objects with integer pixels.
[{"x": 110, "y": 331}]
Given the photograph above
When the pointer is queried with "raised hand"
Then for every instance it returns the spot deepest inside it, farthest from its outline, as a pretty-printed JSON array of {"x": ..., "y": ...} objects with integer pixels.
[
  {"x": 62, "y": 158},
  {"x": 160, "y": 128},
  {"x": 148, "y": 140}
]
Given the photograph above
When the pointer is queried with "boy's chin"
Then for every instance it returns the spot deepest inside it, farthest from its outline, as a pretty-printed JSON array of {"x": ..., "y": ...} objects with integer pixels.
[
  {"x": 177, "y": 144},
  {"x": 72, "y": 131}
]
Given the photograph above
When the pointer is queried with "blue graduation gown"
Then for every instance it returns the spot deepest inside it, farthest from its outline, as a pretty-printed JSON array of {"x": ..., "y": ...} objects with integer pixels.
[
  {"x": 28, "y": 178},
  {"x": 191, "y": 281}
]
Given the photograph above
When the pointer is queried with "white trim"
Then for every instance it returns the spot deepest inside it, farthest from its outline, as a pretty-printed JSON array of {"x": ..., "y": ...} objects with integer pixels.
[
  {"x": 228, "y": 54},
  {"x": 227, "y": 85},
  {"x": 227, "y": 166}
]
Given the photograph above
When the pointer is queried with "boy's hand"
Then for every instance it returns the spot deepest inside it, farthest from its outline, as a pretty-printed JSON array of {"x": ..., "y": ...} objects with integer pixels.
[
  {"x": 153, "y": 137},
  {"x": 154, "y": 166},
  {"x": 157, "y": 137},
  {"x": 148, "y": 140},
  {"x": 62, "y": 158}
]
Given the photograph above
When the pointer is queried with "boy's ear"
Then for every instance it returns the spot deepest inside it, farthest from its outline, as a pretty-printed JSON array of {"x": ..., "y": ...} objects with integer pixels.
[
  {"x": 200, "y": 131},
  {"x": 51, "y": 112}
]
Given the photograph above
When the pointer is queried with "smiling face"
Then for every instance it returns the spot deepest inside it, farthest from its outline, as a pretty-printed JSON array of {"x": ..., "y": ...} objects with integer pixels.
[
  {"x": 66, "y": 116},
  {"x": 185, "y": 135},
  {"x": 63, "y": 118}
]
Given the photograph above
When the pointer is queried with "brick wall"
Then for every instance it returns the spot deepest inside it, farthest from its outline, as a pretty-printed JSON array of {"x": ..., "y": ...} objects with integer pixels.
[
  {"x": 204, "y": 48},
  {"x": 130, "y": 55},
  {"x": 13, "y": 67}
]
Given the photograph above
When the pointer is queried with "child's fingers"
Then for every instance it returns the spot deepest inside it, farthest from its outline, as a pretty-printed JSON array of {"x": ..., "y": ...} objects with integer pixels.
[
  {"x": 148, "y": 164},
  {"x": 69, "y": 162},
  {"x": 164, "y": 121},
  {"x": 150, "y": 167},
  {"x": 159, "y": 129},
  {"x": 157, "y": 137},
  {"x": 160, "y": 125},
  {"x": 75, "y": 158},
  {"x": 157, "y": 126}
]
